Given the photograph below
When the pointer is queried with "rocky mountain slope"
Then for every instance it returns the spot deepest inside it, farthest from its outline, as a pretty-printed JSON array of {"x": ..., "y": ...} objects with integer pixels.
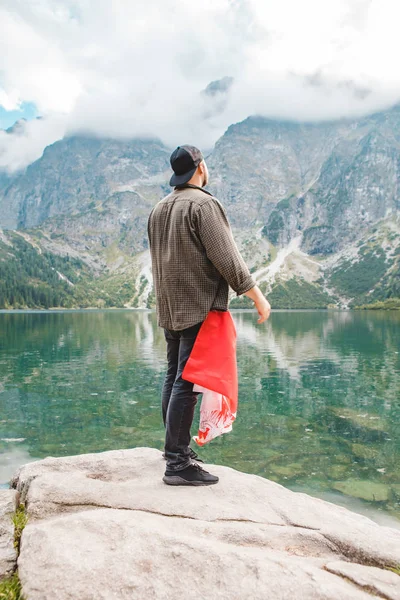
[{"x": 315, "y": 210}]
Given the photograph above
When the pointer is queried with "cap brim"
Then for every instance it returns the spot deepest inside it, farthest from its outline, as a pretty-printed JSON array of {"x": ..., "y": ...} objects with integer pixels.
[{"x": 180, "y": 179}]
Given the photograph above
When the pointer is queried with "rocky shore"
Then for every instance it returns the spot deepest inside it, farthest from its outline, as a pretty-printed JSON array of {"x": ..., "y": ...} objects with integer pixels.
[{"x": 104, "y": 526}]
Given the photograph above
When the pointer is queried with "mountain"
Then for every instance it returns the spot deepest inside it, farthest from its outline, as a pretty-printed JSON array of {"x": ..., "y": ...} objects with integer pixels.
[
  {"x": 301, "y": 177},
  {"x": 315, "y": 209},
  {"x": 76, "y": 173}
]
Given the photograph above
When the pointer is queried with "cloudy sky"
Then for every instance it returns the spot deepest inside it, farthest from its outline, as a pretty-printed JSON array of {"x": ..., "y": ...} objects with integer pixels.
[{"x": 140, "y": 67}]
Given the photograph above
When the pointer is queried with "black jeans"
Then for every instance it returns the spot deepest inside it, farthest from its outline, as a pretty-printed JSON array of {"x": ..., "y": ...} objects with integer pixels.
[{"x": 178, "y": 398}]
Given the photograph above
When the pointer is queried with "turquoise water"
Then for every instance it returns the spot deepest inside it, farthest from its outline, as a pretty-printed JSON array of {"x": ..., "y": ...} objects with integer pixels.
[{"x": 319, "y": 396}]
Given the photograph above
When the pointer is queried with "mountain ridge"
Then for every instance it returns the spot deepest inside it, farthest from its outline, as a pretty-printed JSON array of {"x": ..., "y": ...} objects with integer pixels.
[{"x": 313, "y": 206}]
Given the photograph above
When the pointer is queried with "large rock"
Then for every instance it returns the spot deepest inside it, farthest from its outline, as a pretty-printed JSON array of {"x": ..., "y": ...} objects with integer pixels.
[
  {"x": 366, "y": 490},
  {"x": 8, "y": 554},
  {"x": 105, "y": 526}
]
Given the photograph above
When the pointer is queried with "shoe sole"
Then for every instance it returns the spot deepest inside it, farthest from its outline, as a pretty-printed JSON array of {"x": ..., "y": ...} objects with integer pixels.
[{"x": 176, "y": 480}]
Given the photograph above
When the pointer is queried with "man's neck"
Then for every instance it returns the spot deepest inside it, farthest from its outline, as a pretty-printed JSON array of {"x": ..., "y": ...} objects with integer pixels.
[
  {"x": 197, "y": 179},
  {"x": 192, "y": 185}
]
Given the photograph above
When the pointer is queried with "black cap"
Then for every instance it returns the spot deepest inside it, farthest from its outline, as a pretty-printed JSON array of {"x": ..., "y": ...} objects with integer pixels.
[{"x": 184, "y": 162}]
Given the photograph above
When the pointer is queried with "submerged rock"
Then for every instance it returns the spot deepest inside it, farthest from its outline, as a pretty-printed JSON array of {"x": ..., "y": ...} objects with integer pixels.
[
  {"x": 396, "y": 490},
  {"x": 366, "y": 490},
  {"x": 336, "y": 471},
  {"x": 105, "y": 526},
  {"x": 288, "y": 470},
  {"x": 364, "y": 451},
  {"x": 362, "y": 420}
]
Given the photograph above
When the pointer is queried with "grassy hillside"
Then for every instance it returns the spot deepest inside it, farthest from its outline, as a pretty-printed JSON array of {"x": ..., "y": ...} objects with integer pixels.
[
  {"x": 372, "y": 273},
  {"x": 292, "y": 294},
  {"x": 30, "y": 278}
]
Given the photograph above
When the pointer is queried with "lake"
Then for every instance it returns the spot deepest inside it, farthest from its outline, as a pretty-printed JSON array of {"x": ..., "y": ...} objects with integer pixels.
[{"x": 319, "y": 397}]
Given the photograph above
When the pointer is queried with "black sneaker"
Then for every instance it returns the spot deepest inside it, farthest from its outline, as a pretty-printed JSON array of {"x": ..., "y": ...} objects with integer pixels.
[
  {"x": 194, "y": 474},
  {"x": 193, "y": 455}
]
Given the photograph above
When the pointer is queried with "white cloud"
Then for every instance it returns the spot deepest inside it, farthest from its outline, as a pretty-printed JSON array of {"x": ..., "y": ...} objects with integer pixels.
[
  {"x": 126, "y": 68},
  {"x": 9, "y": 101},
  {"x": 28, "y": 140}
]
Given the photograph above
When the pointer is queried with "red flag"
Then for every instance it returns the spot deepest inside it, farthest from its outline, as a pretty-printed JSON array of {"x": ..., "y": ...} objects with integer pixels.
[{"x": 212, "y": 368}]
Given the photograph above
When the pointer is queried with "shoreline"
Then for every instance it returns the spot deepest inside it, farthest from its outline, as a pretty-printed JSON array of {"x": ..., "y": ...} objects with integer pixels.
[{"x": 153, "y": 310}]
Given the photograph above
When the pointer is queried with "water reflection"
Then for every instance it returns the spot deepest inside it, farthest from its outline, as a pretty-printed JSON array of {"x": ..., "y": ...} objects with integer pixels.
[{"x": 319, "y": 395}]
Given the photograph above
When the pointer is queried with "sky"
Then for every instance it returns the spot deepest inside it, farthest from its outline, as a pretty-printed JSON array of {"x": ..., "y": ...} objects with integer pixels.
[
  {"x": 127, "y": 69},
  {"x": 24, "y": 110}
]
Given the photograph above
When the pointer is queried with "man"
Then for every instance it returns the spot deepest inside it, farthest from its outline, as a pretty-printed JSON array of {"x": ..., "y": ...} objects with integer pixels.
[{"x": 194, "y": 261}]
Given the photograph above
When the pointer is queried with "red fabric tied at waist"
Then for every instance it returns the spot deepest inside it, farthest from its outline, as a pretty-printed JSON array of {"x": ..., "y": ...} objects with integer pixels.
[{"x": 212, "y": 368}]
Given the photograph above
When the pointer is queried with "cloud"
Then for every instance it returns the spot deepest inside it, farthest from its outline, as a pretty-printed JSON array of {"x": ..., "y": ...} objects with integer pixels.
[
  {"x": 125, "y": 68},
  {"x": 27, "y": 139}
]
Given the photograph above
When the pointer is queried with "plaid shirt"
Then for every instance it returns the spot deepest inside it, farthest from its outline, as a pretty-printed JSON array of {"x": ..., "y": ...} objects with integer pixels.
[{"x": 194, "y": 258}]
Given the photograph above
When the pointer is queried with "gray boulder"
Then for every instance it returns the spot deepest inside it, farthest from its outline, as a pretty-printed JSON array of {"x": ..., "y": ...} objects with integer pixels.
[{"x": 105, "y": 526}]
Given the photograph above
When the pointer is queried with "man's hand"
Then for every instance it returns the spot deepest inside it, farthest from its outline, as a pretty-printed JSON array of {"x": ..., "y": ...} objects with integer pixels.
[
  {"x": 262, "y": 305},
  {"x": 264, "y": 310}
]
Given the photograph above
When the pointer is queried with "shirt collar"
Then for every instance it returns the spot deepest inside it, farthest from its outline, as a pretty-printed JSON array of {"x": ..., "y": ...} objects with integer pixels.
[{"x": 190, "y": 185}]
